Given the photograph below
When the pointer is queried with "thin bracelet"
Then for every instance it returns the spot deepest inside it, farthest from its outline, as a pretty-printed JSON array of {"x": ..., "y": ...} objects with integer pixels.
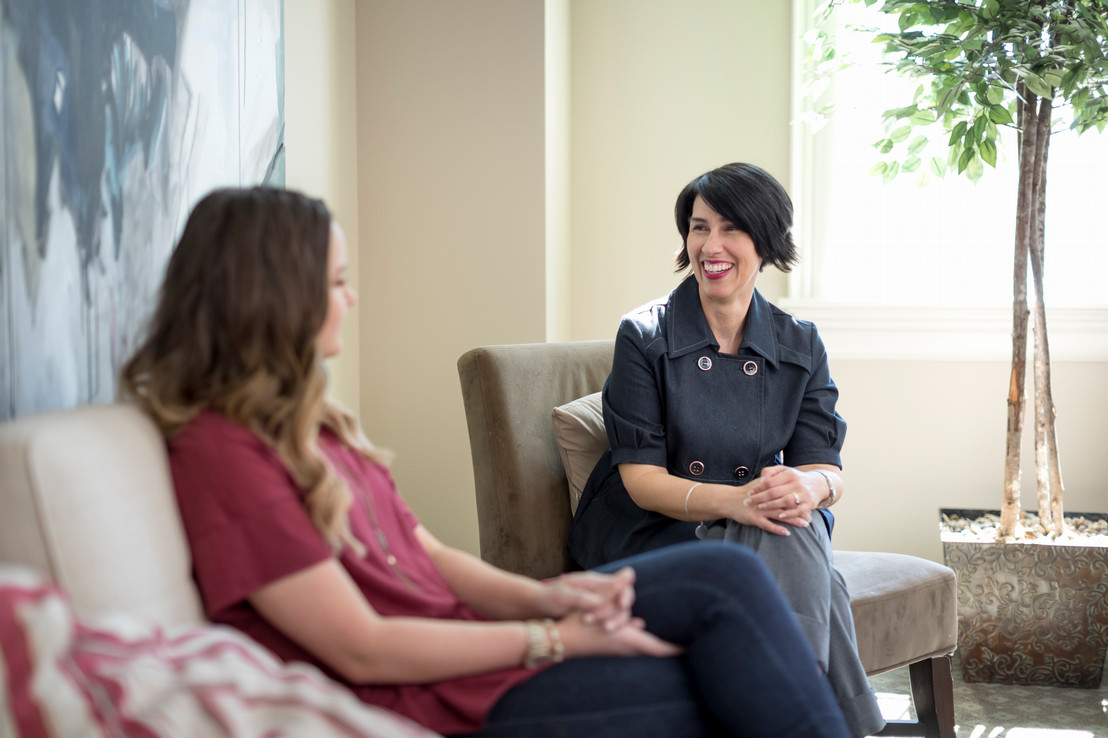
[
  {"x": 823, "y": 505},
  {"x": 689, "y": 494}
]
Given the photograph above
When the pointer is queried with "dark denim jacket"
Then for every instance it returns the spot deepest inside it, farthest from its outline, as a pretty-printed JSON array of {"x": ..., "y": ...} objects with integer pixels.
[{"x": 674, "y": 400}]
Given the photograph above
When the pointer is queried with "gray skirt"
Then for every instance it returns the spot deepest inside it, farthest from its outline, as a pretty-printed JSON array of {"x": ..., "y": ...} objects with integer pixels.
[{"x": 804, "y": 567}]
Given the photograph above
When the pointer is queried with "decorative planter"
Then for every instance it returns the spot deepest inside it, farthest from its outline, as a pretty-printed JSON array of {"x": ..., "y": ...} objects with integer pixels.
[{"x": 1030, "y": 612}]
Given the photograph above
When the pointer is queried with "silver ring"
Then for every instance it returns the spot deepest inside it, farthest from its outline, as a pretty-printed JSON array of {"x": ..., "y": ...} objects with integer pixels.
[{"x": 797, "y": 498}]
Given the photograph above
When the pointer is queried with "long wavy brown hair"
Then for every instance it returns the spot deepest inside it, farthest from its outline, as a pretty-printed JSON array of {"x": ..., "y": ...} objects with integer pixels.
[{"x": 244, "y": 298}]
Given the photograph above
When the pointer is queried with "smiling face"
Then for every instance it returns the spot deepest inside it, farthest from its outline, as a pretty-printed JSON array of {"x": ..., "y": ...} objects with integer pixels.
[
  {"x": 340, "y": 295},
  {"x": 722, "y": 257}
]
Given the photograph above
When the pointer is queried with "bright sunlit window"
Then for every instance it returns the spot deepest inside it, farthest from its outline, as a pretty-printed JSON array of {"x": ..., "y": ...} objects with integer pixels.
[{"x": 919, "y": 245}]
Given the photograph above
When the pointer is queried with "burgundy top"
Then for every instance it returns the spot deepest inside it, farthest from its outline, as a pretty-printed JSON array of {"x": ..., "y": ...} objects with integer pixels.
[{"x": 246, "y": 527}]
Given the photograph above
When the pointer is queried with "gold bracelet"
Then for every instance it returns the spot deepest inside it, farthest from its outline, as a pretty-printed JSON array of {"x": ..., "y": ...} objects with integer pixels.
[
  {"x": 544, "y": 643},
  {"x": 557, "y": 648}
]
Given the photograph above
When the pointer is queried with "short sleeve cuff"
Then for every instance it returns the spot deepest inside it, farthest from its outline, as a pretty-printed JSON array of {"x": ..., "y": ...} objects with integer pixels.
[
  {"x": 651, "y": 456},
  {"x": 801, "y": 457}
]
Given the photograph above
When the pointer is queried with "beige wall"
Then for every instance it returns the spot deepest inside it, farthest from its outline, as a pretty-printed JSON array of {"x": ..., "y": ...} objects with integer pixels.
[
  {"x": 451, "y": 195},
  {"x": 661, "y": 92},
  {"x": 445, "y": 178},
  {"x": 320, "y": 140},
  {"x": 929, "y": 434}
]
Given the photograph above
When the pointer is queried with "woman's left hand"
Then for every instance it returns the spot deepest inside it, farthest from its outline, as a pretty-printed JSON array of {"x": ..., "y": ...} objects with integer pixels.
[
  {"x": 604, "y": 599},
  {"x": 788, "y": 494}
]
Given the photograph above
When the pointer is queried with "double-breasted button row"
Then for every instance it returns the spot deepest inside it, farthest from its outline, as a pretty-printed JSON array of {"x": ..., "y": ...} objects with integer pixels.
[
  {"x": 696, "y": 468},
  {"x": 750, "y": 368}
]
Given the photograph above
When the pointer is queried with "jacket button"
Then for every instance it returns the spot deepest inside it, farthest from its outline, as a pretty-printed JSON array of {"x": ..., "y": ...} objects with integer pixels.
[
  {"x": 750, "y": 368},
  {"x": 704, "y": 363},
  {"x": 696, "y": 468},
  {"x": 741, "y": 472}
]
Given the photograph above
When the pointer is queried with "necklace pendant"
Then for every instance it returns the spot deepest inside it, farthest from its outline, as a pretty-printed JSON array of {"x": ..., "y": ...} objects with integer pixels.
[{"x": 701, "y": 531}]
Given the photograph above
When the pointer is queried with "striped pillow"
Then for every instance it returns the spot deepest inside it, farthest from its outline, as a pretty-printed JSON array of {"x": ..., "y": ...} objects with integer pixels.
[{"x": 63, "y": 677}]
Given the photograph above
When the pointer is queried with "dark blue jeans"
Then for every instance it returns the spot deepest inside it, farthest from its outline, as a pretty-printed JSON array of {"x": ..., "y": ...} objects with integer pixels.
[{"x": 747, "y": 669}]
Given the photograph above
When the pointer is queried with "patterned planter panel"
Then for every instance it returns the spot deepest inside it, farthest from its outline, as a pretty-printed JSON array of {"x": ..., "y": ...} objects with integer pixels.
[{"x": 1031, "y": 613}]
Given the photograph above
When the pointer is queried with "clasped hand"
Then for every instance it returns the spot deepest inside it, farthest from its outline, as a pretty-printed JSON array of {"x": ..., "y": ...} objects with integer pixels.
[
  {"x": 781, "y": 495},
  {"x": 594, "y": 612}
]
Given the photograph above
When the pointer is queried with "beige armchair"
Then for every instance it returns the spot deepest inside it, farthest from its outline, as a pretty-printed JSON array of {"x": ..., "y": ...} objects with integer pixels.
[{"x": 904, "y": 607}]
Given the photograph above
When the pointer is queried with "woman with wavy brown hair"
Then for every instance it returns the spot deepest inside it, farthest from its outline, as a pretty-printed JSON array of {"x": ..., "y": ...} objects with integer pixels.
[{"x": 299, "y": 538}]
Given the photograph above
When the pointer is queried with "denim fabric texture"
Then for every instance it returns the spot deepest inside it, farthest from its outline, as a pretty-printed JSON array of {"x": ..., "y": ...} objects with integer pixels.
[{"x": 747, "y": 669}]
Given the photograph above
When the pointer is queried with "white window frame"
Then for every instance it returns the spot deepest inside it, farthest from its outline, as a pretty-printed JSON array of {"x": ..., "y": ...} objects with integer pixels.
[{"x": 890, "y": 332}]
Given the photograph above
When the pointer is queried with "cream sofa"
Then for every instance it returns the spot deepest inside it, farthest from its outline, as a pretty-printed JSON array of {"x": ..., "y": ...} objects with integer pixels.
[{"x": 86, "y": 502}]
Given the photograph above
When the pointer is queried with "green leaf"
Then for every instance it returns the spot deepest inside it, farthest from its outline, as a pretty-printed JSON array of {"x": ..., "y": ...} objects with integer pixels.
[
  {"x": 946, "y": 99},
  {"x": 957, "y": 132},
  {"x": 1053, "y": 78},
  {"x": 911, "y": 164},
  {"x": 1000, "y": 115},
  {"x": 975, "y": 169},
  {"x": 964, "y": 160},
  {"x": 1038, "y": 85},
  {"x": 922, "y": 117},
  {"x": 917, "y": 145},
  {"x": 988, "y": 152},
  {"x": 979, "y": 124},
  {"x": 885, "y": 145},
  {"x": 890, "y": 173},
  {"x": 990, "y": 9},
  {"x": 938, "y": 166},
  {"x": 995, "y": 95},
  {"x": 906, "y": 112},
  {"x": 878, "y": 169},
  {"x": 900, "y": 134}
]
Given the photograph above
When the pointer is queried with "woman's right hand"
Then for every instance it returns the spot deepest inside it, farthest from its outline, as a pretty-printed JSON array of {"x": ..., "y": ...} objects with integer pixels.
[
  {"x": 583, "y": 638},
  {"x": 771, "y": 521}
]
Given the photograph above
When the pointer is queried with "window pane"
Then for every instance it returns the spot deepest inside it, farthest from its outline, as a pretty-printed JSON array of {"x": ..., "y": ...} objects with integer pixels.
[{"x": 949, "y": 241}]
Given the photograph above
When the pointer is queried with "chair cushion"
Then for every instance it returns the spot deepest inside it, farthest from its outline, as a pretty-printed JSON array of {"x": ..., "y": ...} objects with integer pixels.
[
  {"x": 582, "y": 440},
  {"x": 905, "y": 608}
]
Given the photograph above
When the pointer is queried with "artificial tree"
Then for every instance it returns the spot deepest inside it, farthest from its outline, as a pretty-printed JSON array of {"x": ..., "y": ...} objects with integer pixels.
[{"x": 985, "y": 65}]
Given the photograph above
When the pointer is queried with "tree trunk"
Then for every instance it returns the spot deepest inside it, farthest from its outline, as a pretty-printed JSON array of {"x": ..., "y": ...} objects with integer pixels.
[
  {"x": 1028, "y": 117},
  {"x": 1048, "y": 473}
]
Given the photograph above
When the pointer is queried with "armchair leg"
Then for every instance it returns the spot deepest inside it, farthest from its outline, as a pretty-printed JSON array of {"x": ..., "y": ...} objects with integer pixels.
[{"x": 933, "y": 697}]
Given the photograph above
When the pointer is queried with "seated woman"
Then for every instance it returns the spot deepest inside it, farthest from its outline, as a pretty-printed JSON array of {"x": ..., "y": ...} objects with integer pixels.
[
  {"x": 720, "y": 413},
  {"x": 299, "y": 538}
]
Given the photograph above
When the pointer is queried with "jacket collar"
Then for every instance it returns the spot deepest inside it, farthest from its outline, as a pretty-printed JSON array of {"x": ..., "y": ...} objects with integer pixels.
[{"x": 687, "y": 328}]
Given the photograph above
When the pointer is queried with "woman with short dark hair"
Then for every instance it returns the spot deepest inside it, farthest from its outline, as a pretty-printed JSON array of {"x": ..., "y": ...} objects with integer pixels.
[
  {"x": 721, "y": 422},
  {"x": 299, "y": 538}
]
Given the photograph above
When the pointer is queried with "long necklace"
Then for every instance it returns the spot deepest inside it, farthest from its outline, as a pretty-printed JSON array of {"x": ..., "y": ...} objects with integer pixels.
[{"x": 362, "y": 494}]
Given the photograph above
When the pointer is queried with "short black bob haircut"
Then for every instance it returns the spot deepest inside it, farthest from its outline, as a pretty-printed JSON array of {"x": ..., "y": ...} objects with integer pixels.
[{"x": 753, "y": 201}]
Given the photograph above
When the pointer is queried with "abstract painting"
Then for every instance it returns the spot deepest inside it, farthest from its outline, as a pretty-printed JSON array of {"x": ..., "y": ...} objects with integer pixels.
[{"x": 116, "y": 116}]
